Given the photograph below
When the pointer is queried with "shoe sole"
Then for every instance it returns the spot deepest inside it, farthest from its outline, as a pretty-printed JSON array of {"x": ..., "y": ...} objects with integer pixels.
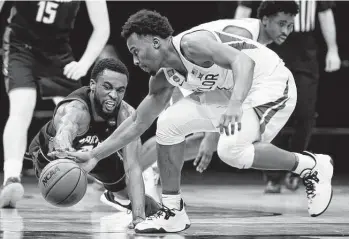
[
  {"x": 104, "y": 200},
  {"x": 316, "y": 215},
  {"x": 10, "y": 195},
  {"x": 161, "y": 230}
]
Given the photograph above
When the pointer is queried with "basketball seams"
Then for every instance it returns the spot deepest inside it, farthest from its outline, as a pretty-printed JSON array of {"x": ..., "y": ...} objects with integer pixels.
[
  {"x": 77, "y": 183},
  {"x": 60, "y": 179}
]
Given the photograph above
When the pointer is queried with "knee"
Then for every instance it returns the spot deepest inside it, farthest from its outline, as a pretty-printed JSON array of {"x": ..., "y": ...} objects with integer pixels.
[
  {"x": 169, "y": 132},
  {"x": 236, "y": 156}
]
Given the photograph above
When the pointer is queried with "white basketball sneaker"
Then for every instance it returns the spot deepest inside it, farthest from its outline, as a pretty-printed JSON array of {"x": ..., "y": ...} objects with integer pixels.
[
  {"x": 165, "y": 220},
  {"x": 11, "y": 193},
  {"x": 317, "y": 183}
]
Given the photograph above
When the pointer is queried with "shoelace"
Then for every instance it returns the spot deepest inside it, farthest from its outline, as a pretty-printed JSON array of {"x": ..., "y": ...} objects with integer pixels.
[
  {"x": 309, "y": 182},
  {"x": 163, "y": 210}
]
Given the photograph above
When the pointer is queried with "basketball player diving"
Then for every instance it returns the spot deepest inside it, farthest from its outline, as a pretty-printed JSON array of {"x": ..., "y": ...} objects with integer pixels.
[
  {"x": 83, "y": 120},
  {"x": 240, "y": 89}
]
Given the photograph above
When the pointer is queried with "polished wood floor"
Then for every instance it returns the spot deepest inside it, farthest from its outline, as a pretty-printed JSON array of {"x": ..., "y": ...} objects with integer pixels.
[{"x": 220, "y": 205}]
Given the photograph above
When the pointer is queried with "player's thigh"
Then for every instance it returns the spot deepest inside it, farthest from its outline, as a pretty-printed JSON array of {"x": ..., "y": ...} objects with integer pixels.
[
  {"x": 249, "y": 133},
  {"x": 110, "y": 171},
  {"x": 274, "y": 117},
  {"x": 185, "y": 117},
  {"x": 51, "y": 80},
  {"x": 18, "y": 64}
]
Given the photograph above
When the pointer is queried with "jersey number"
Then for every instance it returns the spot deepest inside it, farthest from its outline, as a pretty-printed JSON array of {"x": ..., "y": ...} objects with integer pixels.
[{"x": 47, "y": 12}]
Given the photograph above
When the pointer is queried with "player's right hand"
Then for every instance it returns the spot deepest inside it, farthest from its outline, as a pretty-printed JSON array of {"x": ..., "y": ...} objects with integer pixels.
[{"x": 75, "y": 70}]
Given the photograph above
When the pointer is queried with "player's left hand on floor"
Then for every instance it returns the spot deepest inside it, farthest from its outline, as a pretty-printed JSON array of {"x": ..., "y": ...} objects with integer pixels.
[
  {"x": 133, "y": 224},
  {"x": 75, "y": 70},
  {"x": 232, "y": 116}
]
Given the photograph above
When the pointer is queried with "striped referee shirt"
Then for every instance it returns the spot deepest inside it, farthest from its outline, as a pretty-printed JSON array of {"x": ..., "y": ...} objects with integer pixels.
[{"x": 305, "y": 20}]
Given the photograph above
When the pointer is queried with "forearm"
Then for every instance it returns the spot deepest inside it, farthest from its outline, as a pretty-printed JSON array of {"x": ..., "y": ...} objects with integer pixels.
[
  {"x": 243, "y": 70},
  {"x": 95, "y": 46},
  {"x": 212, "y": 137},
  {"x": 328, "y": 29},
  {"x": 136, "y": 191},
  {"x": 128, "y": 131}
]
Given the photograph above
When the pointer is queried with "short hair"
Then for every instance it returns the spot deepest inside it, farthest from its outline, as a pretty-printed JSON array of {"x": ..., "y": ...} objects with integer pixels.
[
  {"x": 270, "y": 8},
  {"x": 108, "y": 64},
  {"x": 146, "y": 22}
]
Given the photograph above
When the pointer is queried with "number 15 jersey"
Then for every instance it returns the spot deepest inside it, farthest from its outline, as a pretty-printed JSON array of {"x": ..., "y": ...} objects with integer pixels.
[{"x": 40, "y": 23}]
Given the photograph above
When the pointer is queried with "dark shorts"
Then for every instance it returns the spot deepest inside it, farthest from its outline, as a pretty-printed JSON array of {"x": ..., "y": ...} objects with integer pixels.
[
  {"x": 110, "y": 171},
  {"x": 25, "y": 66}
]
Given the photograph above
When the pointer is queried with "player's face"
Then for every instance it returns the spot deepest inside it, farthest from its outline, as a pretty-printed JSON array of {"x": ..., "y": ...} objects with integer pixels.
[
  {"x": 109, "y": 90},
  {"x": 146, "y": 52},
  {"x": 278, "y": 27}
]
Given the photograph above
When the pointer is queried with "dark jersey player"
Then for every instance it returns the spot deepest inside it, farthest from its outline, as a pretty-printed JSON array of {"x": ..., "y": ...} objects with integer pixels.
[
  {"x": 38, "y": 58},
  {"x": 87, "y": 117}
]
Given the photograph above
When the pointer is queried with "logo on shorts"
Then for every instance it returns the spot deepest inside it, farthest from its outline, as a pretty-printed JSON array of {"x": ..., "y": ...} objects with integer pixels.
[{"x": 51, "y": 175}]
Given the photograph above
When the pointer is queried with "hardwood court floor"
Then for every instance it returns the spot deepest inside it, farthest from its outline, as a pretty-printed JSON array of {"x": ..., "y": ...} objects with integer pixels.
[{"x": 221, "y": 205}]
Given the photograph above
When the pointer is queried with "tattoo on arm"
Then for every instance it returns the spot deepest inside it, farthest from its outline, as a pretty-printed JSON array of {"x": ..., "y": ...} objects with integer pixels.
[{"x": 71, "y": 119}]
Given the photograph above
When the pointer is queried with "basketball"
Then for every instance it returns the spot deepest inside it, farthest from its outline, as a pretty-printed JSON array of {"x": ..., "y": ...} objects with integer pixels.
[{"x": 63, "y": 183}]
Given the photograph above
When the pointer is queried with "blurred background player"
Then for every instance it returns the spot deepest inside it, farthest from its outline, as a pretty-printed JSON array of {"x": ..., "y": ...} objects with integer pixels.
[
  {"x": 83, "y": 120},
  {"x": 275, "y": 24},
  {"x": 38, "y": 57},
  {"x": 300, "y": 55}
]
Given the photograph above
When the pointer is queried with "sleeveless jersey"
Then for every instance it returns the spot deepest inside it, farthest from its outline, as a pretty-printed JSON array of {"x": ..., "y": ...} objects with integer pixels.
[
  {"x": 96, "y": 132},
  {"x": 43, "y": 22},
  {"x": 250, "y": 24},
  {"x": 199, "y": 79}
]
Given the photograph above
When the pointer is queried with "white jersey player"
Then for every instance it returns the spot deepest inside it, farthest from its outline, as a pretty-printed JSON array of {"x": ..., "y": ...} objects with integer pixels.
[{"x": 237, "y": 92}]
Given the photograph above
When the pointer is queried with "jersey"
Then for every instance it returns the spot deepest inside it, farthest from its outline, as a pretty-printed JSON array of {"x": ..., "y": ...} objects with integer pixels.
[
  {"x": 250, "y": 24},
  {"x": 43, "y": 23},
  {"x": 97, "y": 130},
  {"x": 201, "y": 79}
]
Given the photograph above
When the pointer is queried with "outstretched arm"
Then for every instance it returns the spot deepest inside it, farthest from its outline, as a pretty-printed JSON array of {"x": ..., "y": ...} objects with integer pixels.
[
  {"x": 71, "y": 119},
  {"x": 160, "y": 92}
]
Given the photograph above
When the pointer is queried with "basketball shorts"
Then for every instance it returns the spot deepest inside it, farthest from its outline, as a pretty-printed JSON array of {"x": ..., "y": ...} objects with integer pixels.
[
  {"x": 269, "y": 105},
  {"x": 110, "y": 171},
  {"x": 25, "y": 66}
]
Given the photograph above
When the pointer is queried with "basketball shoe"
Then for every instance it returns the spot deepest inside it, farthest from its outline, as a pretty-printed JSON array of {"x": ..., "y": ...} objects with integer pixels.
[
  {"x": 317, "y": 182},
  {"x": 108, "y": 198},
  {"x": 11, "y": 192},
  {"x": 165, "y": 220}
]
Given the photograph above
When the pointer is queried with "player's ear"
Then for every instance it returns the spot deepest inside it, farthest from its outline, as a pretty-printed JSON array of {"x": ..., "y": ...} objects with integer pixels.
[
  {"x": 93, "y": 84},
  {"x": 265, "y": 20},
  {"x": 156, "y": 43}
]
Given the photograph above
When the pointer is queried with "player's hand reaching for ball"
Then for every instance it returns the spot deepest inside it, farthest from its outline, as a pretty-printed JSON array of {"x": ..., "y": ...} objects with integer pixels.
[
  {"x": 232, "y": 115},
  {"x": 75, "y": 70},
  {"x": 83, "y": 158}
]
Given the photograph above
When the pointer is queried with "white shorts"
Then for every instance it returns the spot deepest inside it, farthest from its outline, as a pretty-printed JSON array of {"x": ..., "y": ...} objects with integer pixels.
[{"x": 270, "y": 103}]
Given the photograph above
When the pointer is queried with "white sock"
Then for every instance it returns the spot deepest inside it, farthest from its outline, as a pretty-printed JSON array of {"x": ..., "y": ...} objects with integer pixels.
[
  {"x": 12, "y": 168},
  {"x": 172, "y": 201},
  {"x": 304, "y": 162}
]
